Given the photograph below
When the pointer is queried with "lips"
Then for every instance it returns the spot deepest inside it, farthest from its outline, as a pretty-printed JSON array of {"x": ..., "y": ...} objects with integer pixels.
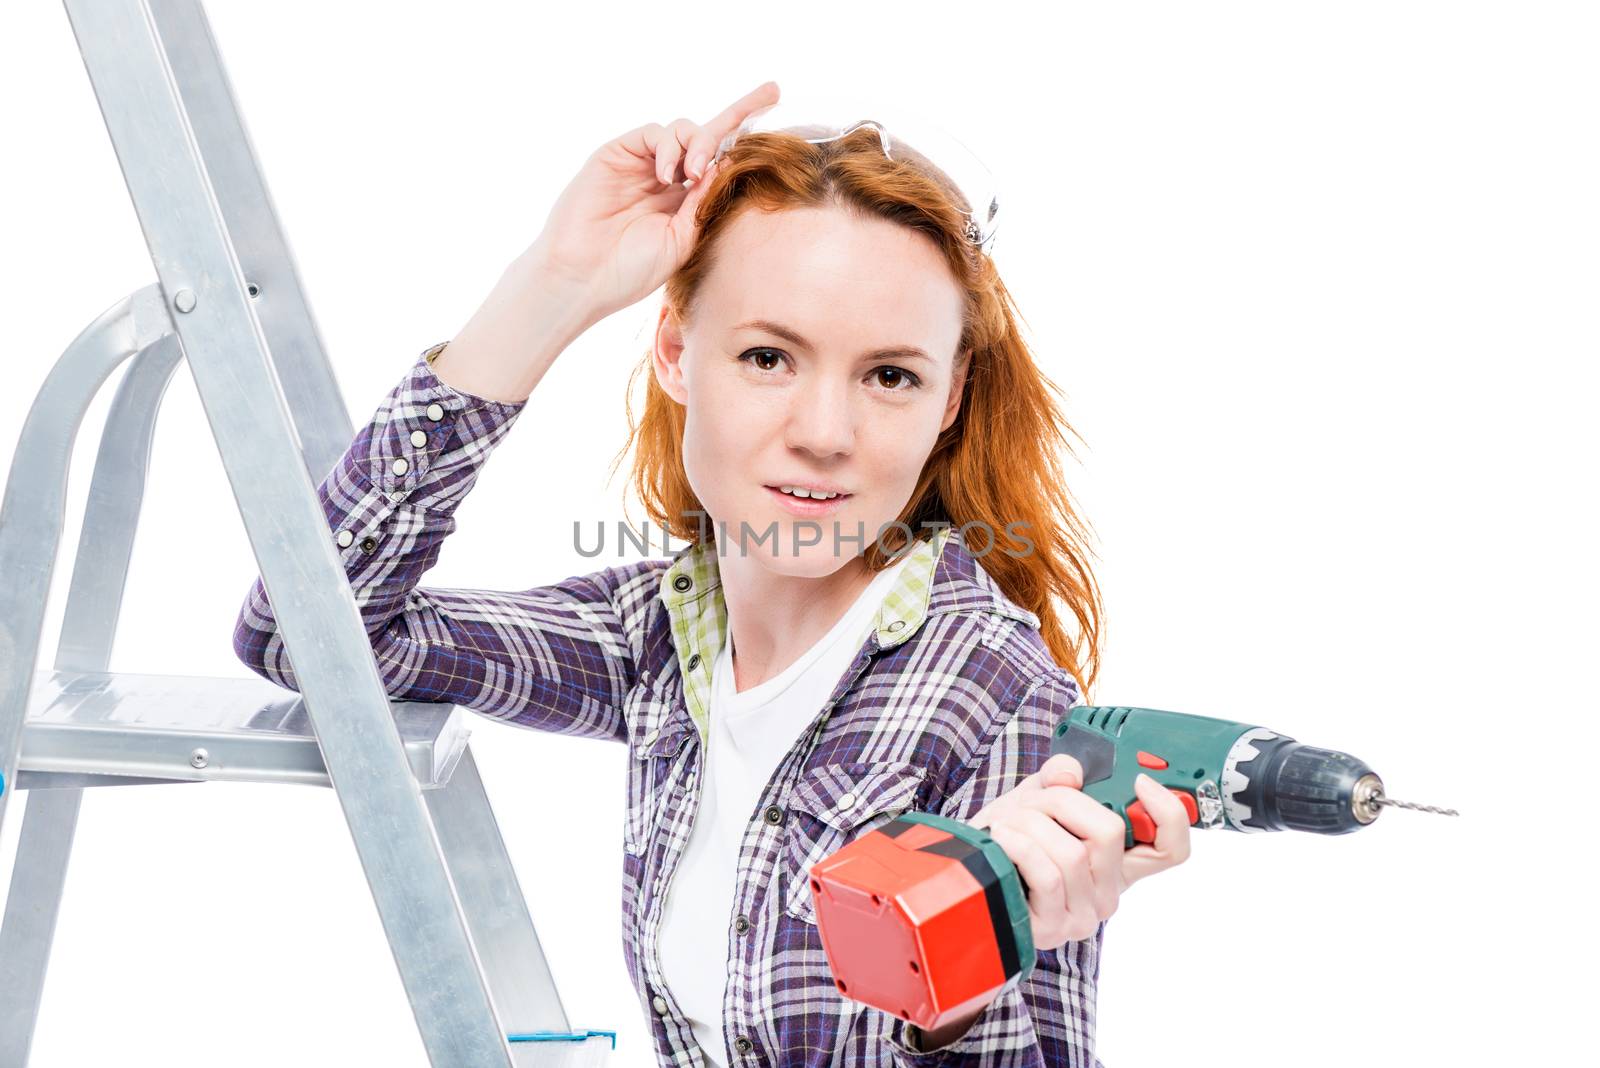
[{"x": 803, "y": 506}]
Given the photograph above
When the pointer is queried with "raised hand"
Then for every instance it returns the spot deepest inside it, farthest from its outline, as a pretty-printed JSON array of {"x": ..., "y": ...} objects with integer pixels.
[{"x": 626, "y": 220}]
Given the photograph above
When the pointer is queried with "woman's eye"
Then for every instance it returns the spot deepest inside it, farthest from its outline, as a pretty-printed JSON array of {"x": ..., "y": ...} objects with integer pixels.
[
  {"x": 897, "y": 376},
  {"x": 755, "y": 356}
]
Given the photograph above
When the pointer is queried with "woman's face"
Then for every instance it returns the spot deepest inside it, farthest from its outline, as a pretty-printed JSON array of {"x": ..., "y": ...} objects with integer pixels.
[{"x": 822, "y": 353}]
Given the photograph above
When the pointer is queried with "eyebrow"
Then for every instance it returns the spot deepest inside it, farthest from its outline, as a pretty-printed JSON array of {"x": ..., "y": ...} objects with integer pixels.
[{"x": 902, "y": 352}]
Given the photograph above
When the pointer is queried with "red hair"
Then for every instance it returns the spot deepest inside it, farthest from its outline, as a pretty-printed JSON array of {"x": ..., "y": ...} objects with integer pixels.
[{"x": 996, "y": 465}]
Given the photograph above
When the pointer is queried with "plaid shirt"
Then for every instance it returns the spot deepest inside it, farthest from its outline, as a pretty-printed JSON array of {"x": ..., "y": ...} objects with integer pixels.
[{"x": 950, "y": 702}]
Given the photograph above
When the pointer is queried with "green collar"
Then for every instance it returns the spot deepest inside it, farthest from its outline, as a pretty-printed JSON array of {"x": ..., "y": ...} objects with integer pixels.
[{"x": 691, "y": 588}]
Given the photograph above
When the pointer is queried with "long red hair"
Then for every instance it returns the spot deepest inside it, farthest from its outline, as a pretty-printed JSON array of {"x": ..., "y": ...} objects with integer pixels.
[{"x": 997, "y": 464}]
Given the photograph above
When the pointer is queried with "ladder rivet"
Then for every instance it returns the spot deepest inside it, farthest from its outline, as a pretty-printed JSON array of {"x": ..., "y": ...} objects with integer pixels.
[
  {"x": 184, "y": 300},
  {"x": 198, "y": 758}
]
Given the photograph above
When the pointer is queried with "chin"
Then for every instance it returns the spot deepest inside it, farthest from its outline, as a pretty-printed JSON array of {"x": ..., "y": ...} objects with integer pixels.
[{"x": 777, "y": 552}]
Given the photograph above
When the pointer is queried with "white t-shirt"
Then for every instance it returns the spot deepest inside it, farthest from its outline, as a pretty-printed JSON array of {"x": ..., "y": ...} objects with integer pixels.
[{"x": 749, "y": 733}]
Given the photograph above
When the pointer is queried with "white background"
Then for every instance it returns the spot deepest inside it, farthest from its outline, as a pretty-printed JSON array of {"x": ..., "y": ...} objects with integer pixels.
[{"x": 1319, "y": 284}]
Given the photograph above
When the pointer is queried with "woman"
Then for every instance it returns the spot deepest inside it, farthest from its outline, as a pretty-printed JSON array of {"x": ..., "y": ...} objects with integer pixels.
[{"x": 779, "y": 700}]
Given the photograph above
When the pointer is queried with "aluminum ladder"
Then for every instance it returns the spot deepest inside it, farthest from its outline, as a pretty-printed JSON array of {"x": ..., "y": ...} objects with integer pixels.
[{"x": 228, "y": 300}]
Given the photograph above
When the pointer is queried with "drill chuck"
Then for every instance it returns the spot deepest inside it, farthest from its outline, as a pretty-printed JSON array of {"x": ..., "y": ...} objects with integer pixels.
[{"x": 1270, "y": 782}]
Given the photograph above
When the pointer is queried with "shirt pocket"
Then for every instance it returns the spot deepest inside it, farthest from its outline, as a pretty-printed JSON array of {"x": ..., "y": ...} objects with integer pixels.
[
  {"x": 657, "y": 730},
  {"x": 834, "y": 804}
]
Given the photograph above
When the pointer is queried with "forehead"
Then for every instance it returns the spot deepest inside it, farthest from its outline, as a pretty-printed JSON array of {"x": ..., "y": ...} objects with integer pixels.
[{"x": 835, "y": 276}]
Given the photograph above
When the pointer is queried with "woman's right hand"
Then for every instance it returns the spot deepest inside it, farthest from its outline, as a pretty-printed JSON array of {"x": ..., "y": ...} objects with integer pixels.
[{"x": 626, "y": 221}]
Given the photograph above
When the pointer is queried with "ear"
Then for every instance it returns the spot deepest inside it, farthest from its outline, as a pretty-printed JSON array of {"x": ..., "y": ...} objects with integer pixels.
[
  {"x": 667, "y": 356},
  {"x": 958, "y": 381}
]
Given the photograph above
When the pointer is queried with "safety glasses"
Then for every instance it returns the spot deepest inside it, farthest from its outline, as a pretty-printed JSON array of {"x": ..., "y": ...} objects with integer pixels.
[{"x": 904, "y": 136}]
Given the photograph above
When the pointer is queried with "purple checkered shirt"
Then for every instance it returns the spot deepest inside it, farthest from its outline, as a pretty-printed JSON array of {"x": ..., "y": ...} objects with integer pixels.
[{"x": 947, "y": 705}]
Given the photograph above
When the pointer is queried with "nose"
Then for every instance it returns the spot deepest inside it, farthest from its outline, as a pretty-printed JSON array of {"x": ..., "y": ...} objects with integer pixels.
[{"x": 822, "y": 419}]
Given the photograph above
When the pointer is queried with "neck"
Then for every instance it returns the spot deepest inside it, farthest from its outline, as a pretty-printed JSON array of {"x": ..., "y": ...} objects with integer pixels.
[{"x": 773, "y": 618}]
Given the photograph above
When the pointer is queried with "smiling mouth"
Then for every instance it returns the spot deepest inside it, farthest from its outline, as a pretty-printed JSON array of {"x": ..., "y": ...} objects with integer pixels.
[{"x": 819, "y": 500}]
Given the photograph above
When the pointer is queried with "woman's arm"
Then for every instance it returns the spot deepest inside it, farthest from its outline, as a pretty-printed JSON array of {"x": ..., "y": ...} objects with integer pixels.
[
  {"x": 555, "y": 657},
  {"x": 1048, "y": 1018},
  {"x": 528, "y": 319}
]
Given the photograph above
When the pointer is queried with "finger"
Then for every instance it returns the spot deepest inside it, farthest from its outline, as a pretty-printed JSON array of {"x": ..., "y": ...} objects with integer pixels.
[
  {"x": 1071, "y": 855},
  {"x": 728, "y": 119},
  {"x": 1170, "y": 814},
  {"x": 685, "y": 227},
  {"x": 641, "y": 143},
  {"x": 698, "y": 151},
  {"x": 1062, "y": 769},
  {"x": 1171, "y": 846},
  {"x": 1102, "y": 833},
  {"x": 1047, "y": 892},
  {"x": 671, "y": 150}
]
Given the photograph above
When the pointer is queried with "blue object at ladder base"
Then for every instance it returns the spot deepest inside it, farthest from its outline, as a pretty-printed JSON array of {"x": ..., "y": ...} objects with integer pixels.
[{"x": 562, "y": 1036}]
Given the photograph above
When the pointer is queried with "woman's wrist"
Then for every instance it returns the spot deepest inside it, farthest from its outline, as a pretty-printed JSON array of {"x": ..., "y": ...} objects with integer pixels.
[{"x": 527, "y": 320}]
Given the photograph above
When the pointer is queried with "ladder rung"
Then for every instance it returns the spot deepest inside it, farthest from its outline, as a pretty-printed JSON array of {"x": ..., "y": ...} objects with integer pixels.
[{"x": 196, "y": 728}]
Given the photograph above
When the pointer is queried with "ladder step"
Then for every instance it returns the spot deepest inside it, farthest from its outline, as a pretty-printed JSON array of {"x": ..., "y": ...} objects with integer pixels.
[
  {"x": 189, "y": 728},
  {"x": 562, "y": 1049}
]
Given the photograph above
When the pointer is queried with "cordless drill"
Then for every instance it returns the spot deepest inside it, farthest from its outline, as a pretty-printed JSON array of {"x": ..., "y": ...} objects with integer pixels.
[{"x": 926, "y": 917}]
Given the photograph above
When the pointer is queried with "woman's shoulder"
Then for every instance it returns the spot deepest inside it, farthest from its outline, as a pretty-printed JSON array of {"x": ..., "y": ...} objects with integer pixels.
[{"x": 969, "y": 612}]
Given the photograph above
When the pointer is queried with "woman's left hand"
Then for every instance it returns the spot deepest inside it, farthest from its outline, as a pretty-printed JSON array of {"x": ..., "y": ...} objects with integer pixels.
[{"x": 1069, "y": 849}]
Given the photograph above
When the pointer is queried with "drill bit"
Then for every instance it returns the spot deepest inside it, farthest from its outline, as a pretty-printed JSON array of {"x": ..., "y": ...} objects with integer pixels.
[
  {"x": 1367, "y": 800},
  {"x": 1381, "y": 800}
]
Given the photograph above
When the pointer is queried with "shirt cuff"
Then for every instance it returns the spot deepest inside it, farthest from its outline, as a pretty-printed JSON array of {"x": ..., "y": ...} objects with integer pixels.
[{"x": 427, "y": 439}]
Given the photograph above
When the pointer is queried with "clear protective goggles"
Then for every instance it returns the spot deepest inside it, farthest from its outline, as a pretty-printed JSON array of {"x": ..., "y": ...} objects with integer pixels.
[{"x": 904, "y": 136}]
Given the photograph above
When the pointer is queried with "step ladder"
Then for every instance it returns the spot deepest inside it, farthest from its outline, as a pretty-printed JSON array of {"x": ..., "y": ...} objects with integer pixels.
[{"x": 228, "y": 301}]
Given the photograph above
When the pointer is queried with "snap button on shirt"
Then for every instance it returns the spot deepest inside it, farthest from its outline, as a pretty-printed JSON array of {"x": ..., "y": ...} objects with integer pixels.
[
  {"x": 435, "y": 412},
  {"x": 418, "y": 438}
]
